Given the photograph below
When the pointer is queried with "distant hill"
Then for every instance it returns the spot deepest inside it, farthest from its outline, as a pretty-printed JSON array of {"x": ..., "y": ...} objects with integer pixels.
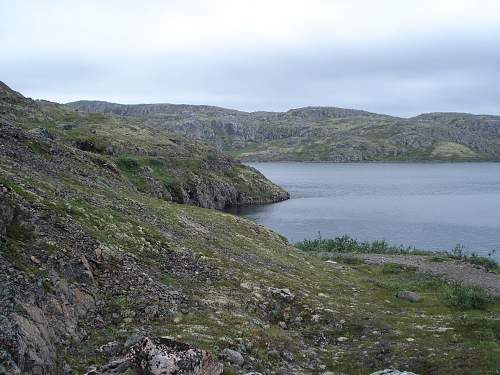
[{"x": 322, "y": 133}]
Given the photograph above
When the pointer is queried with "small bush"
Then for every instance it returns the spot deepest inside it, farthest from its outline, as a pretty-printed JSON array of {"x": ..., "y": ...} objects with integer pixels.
[
  {"x": 128, "y": 163},
  {"x": 467, "y": 297},
  {"x": 487, "y": 263}
]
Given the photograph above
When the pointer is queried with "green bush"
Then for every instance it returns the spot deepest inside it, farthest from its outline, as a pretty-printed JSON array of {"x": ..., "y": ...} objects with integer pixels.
[
  {"x": 128, "y": 163},
  {"x": 487, "y": 262},
  {"x": 467, "y": 297},
  {"x": 346, "y": 244}
]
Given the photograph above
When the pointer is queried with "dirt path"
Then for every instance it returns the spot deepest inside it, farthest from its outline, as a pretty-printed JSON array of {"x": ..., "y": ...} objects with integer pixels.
[{"x": 451, "y": 270}]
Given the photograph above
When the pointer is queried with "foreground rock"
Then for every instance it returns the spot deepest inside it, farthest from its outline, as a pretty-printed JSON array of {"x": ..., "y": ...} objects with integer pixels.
[
  {"x": 392, "y": 372},
  {"x": 160, "y": 356},
  {"x": 409, "y": 296}
]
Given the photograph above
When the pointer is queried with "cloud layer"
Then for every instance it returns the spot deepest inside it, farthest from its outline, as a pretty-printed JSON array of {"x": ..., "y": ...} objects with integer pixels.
[{"x": 395, "y": 57}]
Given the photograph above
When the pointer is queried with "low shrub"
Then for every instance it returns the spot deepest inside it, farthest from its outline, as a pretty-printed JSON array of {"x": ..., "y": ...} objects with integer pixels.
[
  {"x": 467, "y": 297},
  {"x": 487, "y": 262},
  {"x": 392, "y": 268},
  {"x": 346, "y": 244}
]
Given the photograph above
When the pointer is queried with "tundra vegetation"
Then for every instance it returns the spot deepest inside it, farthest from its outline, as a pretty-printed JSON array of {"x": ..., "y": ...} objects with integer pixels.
[{"x": 109, "y": 240}]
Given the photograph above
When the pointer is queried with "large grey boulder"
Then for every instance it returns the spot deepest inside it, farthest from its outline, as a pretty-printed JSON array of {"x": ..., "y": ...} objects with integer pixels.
[{"x": 164, "y": 357}]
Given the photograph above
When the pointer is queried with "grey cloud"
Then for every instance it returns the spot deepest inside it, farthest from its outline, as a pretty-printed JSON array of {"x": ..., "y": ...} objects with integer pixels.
[{"x": 402, "y": 75}]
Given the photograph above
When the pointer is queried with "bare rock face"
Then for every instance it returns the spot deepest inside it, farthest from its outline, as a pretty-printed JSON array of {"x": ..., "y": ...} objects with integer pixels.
[{"x": 164, "y": 356}]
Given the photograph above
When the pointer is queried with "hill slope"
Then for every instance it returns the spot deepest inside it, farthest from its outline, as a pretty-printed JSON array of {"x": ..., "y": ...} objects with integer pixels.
[
  {"x": 322, "y": 133},
  {"x": 164, "y": 164},
  {"x": 90, "y": 260}
]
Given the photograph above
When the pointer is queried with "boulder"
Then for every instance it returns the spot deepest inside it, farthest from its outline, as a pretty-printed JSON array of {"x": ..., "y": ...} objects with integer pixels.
[
  {"x": 392, "y": 372},
  {"x": 232, "y": 356},
  {"x": 163, "y": 356},
  {"x": 409, "y": 296}
]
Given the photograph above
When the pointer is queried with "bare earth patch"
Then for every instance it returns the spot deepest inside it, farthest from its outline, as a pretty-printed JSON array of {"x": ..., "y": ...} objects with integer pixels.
[{"x": 451, "y": 270}]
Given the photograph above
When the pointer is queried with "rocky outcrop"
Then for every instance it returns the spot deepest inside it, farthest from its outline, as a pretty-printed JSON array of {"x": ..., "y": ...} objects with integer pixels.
[{"x": 161, "y": 164}]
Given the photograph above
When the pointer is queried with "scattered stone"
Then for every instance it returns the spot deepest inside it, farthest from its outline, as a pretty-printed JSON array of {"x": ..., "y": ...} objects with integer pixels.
[
  {"x": 232, "y": 356},
  {"x": 315, "y": 318},
  {"x": 409, "y": 296},
  {"x": 284, "y": 294},
  {"x": 111, "y": 348},
  {"x": 246, "y": 285},
  {"x": 342, "y": 339},
  {"x": 273, "y": 353},
  {"x": 392, "y": 372},
  {"x": 287, "y": 356},
  {"x": 35, "y": 260}
]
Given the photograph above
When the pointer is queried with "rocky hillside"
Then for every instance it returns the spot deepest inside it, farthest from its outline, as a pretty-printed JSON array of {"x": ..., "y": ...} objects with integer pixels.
[
  {"x": 102, "y": 274},
  {"x": 166, "y": 165},
  {"x": 322, "y": 133}
]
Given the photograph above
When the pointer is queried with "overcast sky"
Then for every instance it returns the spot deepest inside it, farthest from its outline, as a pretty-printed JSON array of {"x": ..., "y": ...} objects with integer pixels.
[{"x": 399, "y": 57}]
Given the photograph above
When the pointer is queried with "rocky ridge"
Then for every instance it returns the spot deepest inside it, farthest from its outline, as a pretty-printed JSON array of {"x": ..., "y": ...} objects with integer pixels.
[{"x": 322, "y": 133}]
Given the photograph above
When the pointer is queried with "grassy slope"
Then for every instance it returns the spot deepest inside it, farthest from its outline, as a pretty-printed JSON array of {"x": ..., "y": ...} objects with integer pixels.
[{"x": 331, "y": 300}]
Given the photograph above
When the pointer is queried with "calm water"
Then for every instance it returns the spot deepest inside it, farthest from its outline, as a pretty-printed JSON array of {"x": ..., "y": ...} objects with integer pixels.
[{"x": 429, "y": 206}]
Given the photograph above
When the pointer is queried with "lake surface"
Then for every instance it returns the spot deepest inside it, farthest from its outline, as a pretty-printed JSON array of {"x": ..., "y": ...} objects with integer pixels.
[{"x": 425, "y": 205}]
